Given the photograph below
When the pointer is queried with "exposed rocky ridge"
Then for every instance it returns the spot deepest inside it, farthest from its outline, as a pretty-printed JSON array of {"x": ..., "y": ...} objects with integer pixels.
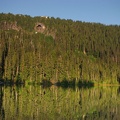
[{"x": 9, "y": 25}]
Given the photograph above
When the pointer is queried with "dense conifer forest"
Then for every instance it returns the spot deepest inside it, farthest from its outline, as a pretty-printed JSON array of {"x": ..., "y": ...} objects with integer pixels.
[{"x": 58, "y": 50}]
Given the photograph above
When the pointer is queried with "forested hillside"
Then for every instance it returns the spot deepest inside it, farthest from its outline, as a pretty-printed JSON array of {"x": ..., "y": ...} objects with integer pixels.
[{"x": 63, "y": 50}]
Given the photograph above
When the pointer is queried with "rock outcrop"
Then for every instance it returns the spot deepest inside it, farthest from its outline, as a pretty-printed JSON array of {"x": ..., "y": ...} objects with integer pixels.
[
  {"x": 9, "y": 25},
  {"x": 39, "y": 27}
]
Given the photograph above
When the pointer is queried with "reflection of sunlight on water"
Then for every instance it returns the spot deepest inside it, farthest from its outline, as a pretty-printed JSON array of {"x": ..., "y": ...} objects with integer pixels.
[{"x": 35, "y": 102}]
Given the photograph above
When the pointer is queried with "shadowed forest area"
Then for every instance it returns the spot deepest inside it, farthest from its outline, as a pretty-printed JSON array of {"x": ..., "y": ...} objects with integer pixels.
[{"x": 58, "y": 50}]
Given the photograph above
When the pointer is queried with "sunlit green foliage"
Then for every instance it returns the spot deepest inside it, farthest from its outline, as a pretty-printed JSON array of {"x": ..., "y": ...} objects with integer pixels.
[{"x": 65, "y": 50}]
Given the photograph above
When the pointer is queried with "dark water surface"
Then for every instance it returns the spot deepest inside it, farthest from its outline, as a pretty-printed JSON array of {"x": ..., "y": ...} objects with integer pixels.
[{"x": 37, "y": 103}]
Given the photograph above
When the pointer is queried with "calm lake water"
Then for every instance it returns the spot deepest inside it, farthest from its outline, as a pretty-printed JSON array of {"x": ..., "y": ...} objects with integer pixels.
[{"x": 38, "y": 103}]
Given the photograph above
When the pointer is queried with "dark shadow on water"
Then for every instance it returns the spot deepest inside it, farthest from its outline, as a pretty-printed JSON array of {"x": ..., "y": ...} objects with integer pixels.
[
  {"x": 47, "y": 83},
  {"x": 65, "y": 84},
  {"x": 85, "y": 84},
  {"x": 9, "y": 82}
]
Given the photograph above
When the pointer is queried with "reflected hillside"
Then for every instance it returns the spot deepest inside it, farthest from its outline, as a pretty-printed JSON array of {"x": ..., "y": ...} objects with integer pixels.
[{"x": 55, "y": 103}]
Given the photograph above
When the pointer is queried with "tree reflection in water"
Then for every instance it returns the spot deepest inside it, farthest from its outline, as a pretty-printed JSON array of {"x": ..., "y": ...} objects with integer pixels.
[
  {"x": 2, "y": 112},
  {"x": 55, "y": 103}
]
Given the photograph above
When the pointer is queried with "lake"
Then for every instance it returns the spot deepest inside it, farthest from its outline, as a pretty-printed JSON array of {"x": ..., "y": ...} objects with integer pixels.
[{"x": 55, "y": 103}]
